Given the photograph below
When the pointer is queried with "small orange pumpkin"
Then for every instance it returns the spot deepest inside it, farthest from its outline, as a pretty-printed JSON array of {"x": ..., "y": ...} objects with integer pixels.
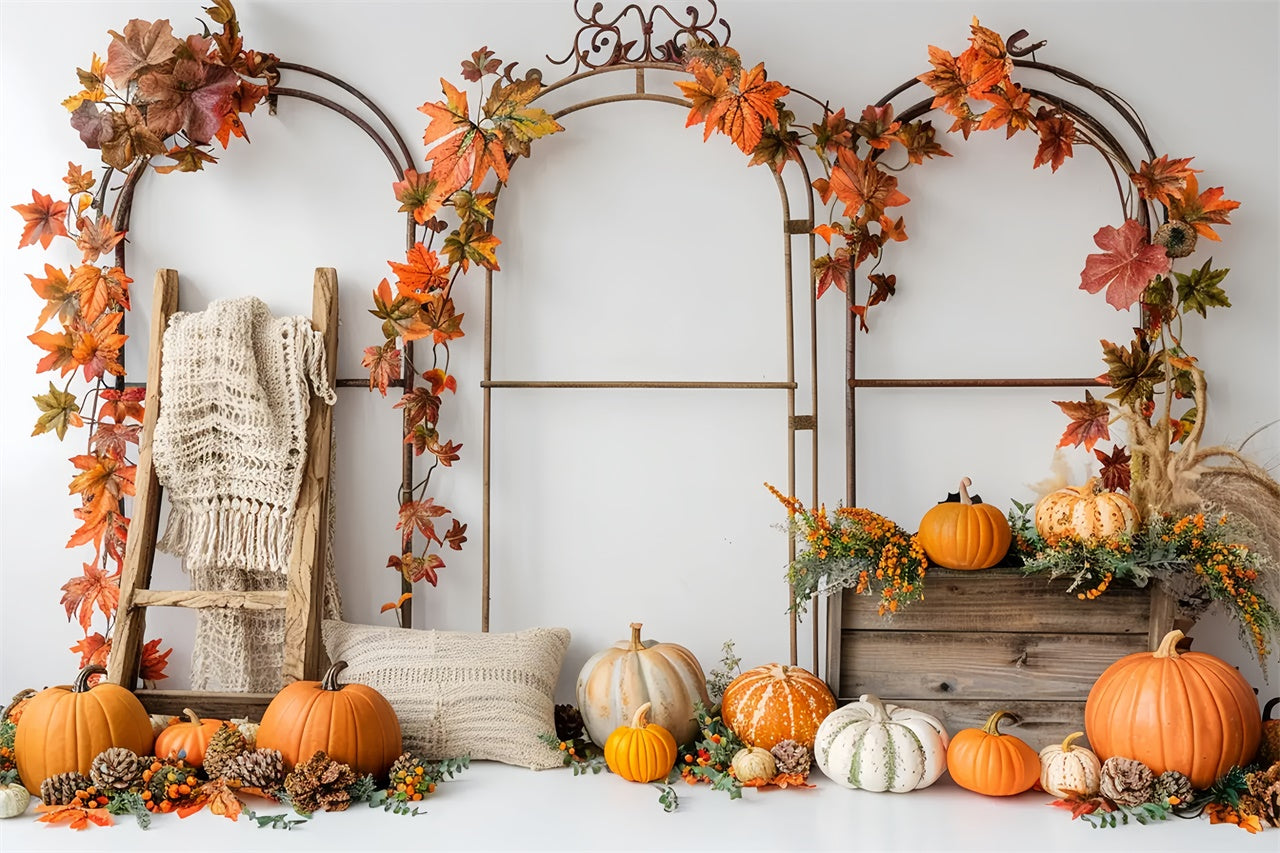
[
  {"x": 191, "y": 736},
  {"x": 353, "y": 723},
  {"x": 1089, "y": 513},
  {"x": 642, "y": 751},
  {"x": 1185, "y": 711},
  {"x": 991, "y": 763},
  {"x": 965, "y": 533},
  {"x": 64, "y": 728},
  {"x": 773, "y": 703}
]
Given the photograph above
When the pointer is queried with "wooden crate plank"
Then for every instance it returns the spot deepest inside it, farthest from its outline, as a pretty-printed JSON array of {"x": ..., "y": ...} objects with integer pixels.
[
  {"x": 987, "y": 665},
  {"x": 246, "y": 600},
  {"x": 218, "y": 706},
  {"x": 1040, "y": 723},
  {"x": 1005, "y": 600},
  {"x": 139, "y": 551}
]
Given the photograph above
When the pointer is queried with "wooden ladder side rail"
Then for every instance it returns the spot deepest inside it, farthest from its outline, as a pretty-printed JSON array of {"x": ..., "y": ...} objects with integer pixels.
[{"x": 302, "y": 601}]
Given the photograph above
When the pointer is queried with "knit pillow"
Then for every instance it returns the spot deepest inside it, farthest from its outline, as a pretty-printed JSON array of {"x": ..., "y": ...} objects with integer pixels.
[{"x": 456, "y": 693}]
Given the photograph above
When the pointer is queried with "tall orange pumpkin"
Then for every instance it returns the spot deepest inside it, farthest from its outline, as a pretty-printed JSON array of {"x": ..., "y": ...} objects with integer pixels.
[
  {"x": 773, "y": 702},
  {"x": 64, "y": 728},
  {"x": 191, "y": 736},
  {"x": 989, "y": 762},
  {"x": 965, "y": 533},
  {"x": 353, "y": 723},
  {"x": 1185, "y": 711}
]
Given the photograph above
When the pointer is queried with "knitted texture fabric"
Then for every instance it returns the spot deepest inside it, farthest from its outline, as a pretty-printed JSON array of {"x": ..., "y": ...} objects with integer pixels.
[
  {"x": 230, "y": 441},
  {"x": 486, "y": 695},
  {"x": 230, "y": 449}
]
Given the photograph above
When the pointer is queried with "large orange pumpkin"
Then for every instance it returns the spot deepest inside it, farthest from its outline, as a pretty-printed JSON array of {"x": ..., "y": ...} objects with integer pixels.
[
  {"x": 191, "y": 736},
  {"x": 353, "y": 723},
  {"x": 773, "y": 702},
  {"x": 965, "y": 533},
  {"x": 64, "y": 728},
  {"x": 1087, "y": 512},
  {"x": 991, "y": 763},
  {"x": 1185, "y": 711}
]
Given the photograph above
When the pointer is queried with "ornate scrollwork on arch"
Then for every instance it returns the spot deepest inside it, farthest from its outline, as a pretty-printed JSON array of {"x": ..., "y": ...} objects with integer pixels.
[{"x": 608, "y": 37}]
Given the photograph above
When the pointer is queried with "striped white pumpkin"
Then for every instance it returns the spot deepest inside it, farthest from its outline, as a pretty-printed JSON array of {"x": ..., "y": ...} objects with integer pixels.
[
  {"x": 1069, "y": 770},
  {"x": 878, "y": 746},
  {"x": 613, "y": 683}
]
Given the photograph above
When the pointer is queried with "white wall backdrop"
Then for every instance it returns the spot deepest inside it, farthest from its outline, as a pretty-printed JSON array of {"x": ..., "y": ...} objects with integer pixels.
[{"x": 633, "y": 250}]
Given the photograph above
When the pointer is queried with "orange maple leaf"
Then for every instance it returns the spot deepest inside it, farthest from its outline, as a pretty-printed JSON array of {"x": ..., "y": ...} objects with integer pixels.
[
  {"x": 59, "y": 297},
  {"x": 76, "y": 817},
  {"x": 422, "y": 273},
  {"x": 99, "y": 289},
  {"x": 704, "y": 92},
  {"x": 45, "y": 219},
  {"x": 418, "y": 515},
  {"x": 94, "y": 648},
  {"x": 77, "y": 179},
  {"x": 949, "y": 89},
  {"x": 384, "y": 365},
  {"x": 124, "y": 405},
  {"x": 833, "y": 269},
  {"x": 1056, "y": 135},
  {"x": 437, "y": 316},
  {"x": 741, "y": 115},
  {"x": 1008, "y": 110},
  {"x": 97, "y": 237},
  {"x": 1090, "y": 422},
  {"x": 1162, "y": 179},
  {"x": 1202, "y": 210},
  {"x": 398, "y": 313},
  {"x": 865, "y": 189},
  {"x": 154, "y": 661},
  {"x": 440, "y": 380},
  {"x": 103, "y": 478},
  {"x": 94, "y": 588},
  {"x": 60, "y": 347},
  {"x": 420, "y": 195},
  {"x": 465, "y": 152},
  {"x": 97, "y": 347}
]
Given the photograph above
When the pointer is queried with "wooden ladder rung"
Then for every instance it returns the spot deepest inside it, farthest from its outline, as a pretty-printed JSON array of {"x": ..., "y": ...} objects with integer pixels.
[
  {"x": 211, "y": 704},
  {"x": 265, "y": 599}
]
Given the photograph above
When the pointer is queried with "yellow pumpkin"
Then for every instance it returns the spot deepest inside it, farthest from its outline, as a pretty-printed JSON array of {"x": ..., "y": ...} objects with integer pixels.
[
  {"x": 1089, "y": 513},
  {"x": 64, "y": 728},
  {"x": 965, "y": 534},
  {"x": 613, "y": 683},
  {"x": 642, "y": 751}
]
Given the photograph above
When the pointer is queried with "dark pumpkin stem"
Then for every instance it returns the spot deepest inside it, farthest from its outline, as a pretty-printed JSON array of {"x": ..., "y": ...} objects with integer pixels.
[
  {"x": 81, "y": 684},
  {"x": 330, "y": 681}
]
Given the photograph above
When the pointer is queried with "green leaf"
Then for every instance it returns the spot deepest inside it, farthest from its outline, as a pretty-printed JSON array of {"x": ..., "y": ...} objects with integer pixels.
[
  {"x": 1132, "y": 372},
  {"x": 668, "y": 798},
  {"x": 1200, "y": 290},
  {"x": 59, "y": 410}
]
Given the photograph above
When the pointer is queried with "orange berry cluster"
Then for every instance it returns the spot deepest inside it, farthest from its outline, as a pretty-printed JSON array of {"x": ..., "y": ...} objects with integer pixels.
[
  {"x": 89, "y": 798},
  {"x": 165, "y": 786},
  {"x": 1097, "y": 590},
  {"x": 411, "y": 784}
]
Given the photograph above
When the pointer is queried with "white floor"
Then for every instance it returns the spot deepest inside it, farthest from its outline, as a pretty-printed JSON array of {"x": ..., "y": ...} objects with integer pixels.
[{"x": 493, "y": 807}]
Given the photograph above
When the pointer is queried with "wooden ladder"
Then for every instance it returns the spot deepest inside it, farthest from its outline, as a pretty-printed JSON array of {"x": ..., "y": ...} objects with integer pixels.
[{"x": 302, "y": 600}]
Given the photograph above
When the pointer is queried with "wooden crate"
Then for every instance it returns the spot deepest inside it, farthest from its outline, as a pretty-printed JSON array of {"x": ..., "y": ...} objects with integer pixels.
[{"x": 987, "y": 640}]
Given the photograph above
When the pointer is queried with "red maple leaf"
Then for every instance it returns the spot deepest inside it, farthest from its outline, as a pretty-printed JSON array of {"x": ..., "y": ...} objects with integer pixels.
[
  {"x": 456, "y": 535},
  {"x": 1115, "y": 473},
  {"x": 97, "y": 237},
  {"x": 124, "y": 405},
  {"x": 114, "y": 439},
  {"x": 384, "y": 365},
  {"x": 1056, "y": 135},
  {"x": 420, "y": 406},
  {"x": 833, "y": 269},
  {"x": 865, "y": 189},
  {"x": 418, "y": 515},
  {"x": 1126, "y": 266},
  {"x": 94, "y": 648},
  {"x": 1162, "y": 179},
  {"x": 415, "y": 568},
  {"x": 154, "y": 661},
  {"x": 1090, "y": 422},
  {"x": 94, "y": 587},
  {"x": 45, "y": 219}
]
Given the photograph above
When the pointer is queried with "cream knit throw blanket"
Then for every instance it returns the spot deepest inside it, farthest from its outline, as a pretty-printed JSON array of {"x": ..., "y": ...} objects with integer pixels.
[{"x": 230, "y": 450}]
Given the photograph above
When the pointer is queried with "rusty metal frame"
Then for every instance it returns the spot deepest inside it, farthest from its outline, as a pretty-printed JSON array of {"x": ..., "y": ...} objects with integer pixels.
[{"x": 1094, "y": 133}]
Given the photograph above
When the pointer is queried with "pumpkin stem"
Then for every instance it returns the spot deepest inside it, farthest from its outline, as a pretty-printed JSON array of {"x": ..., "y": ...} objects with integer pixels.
[
  {"x": 877, "y": 705},
  {"x": 636, "y": 644},
  {"x": 1093, "y": 487},
  {"x": 191, "y": 716},
  {"x": 17, "y": 700},
  {"x": 964, "y": 491},
  {"x": 777, "y": 670},
  {"x": 1169, "y": 645},
  {"x": 82, "y": 680},
  {"x": 330, "y": 681},
  {"x": 1067, "y": 745},
  {"x": 638, "y": 719},
  {"x": 993, "y": 722}
]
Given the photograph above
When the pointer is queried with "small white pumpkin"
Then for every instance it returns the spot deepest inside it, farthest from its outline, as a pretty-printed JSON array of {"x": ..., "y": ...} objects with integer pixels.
[
  {"x": 752, "y": 764},
  {"x": 613, "y": 683},
  {"x": 160, "y": 722},
  {"x": 248, "y": 729},
  {"x": 878, "y": 746},
  {"x": 1067, "y": 769},
  {"x": 13, "y": 799}
]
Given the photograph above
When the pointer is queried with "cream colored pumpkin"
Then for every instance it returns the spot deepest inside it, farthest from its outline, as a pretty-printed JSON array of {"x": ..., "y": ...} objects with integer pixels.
[
  {"x": 1087, "y": 512},
  {"x": 879, "y": 746},
  {"x": 615, "y": 682},
  {"x": 13, "y": 800},
  {"x": 1069, "y": 770},
  {"x": 248, "y": 729},
  {"x": 754, "y": 764}
]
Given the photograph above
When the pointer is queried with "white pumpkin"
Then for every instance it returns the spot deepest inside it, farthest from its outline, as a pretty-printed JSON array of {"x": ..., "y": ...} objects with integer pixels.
[
  {"x": 1067, "y": 769},
  {"x": 615, "y": 682},
  {"x": 878, "y": 746},
  {"x": 13, "y": 799},
  {"x": 753, "y": 764}
]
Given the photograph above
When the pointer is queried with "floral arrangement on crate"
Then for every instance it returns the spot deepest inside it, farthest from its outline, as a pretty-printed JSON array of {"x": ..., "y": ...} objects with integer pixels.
[{"x": 154, "y": 96}]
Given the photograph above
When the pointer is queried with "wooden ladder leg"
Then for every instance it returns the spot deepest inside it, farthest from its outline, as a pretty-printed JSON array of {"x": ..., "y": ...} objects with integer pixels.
[
  {"x": 140, "y": 548},
  {"x": 303, "y": 612}
]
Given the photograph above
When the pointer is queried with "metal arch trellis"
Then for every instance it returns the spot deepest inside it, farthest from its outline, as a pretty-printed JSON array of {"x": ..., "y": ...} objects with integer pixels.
[
  {"x": 1092, "y": 132},
  {"x": 601, "y": 47}
]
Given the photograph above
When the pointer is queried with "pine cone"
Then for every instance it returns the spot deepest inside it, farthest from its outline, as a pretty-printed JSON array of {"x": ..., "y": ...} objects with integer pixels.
[
  {"x": 568, "y": 722},
  {"x": 320, "y": 783},
  {"x": 226, "y": 744},
  {"x": 256, "y": 768},
  {"x": 1172, "y": 787},
  {"x": 116, "y": 769},
  {"x": 61, "y": 789},
  {"x": 1126, "y": 781},
  {"x": 1264, "y": 787},
  {"x": 792, "y": 757}
]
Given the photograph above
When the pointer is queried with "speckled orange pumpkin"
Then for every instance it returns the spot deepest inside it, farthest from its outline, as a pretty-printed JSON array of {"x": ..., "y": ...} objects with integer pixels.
[
  {"x": 772, "y": 703},
  {"x": 1087, "y": 512}
]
